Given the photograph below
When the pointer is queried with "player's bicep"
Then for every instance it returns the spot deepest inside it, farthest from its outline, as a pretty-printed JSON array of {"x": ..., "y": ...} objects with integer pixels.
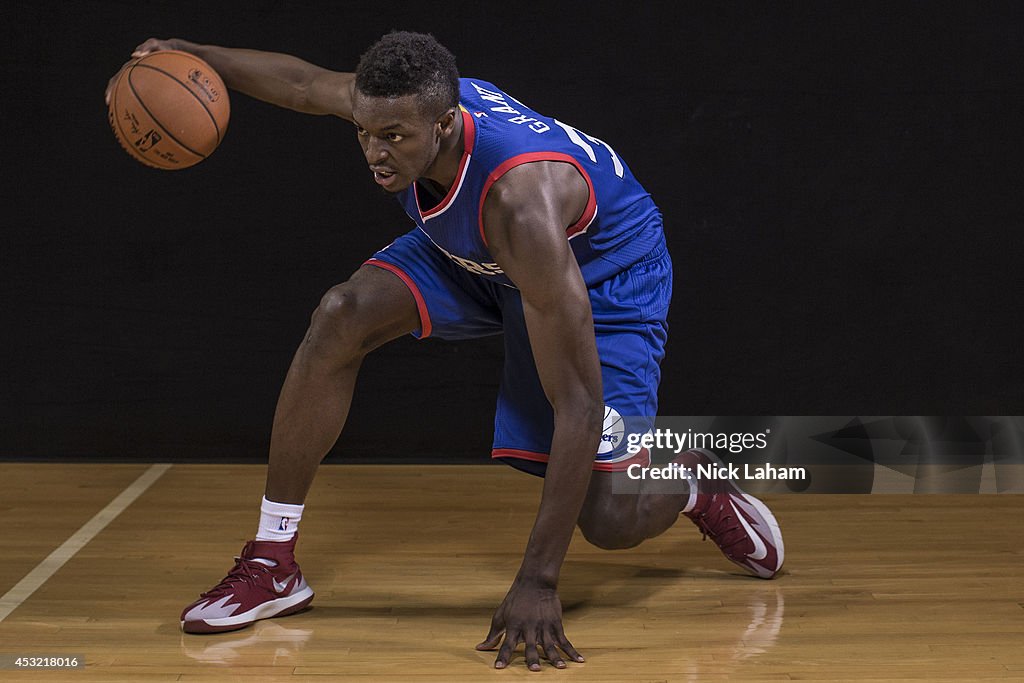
[
  {"x": 330, "y": 93},
  {"x": 525, "y": 217},
  {"x": 525, "y": 228}
]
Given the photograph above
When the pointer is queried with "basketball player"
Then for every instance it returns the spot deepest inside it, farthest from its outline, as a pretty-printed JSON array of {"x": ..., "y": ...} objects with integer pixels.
[{"x": 524, "y": 226}]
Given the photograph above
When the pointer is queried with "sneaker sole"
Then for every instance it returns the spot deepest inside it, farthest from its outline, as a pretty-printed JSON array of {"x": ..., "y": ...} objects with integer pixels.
[
  {"x": 773, "y": 527},
  {"x": 274, "y": 608}
]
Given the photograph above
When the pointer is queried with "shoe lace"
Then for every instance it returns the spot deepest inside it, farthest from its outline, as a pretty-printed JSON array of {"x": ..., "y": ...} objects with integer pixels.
[
  {"x": 720, "y": 527},
  {"x": 244, "y": 571}
]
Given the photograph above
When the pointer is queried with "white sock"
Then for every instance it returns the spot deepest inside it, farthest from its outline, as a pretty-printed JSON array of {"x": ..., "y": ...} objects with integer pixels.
[
  {"x": 692, "y": 500},
  {"x": 278, "y": 521}
]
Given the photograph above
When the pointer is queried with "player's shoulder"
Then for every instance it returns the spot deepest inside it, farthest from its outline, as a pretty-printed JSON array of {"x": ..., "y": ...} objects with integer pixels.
[
  {"x": 503, "y": 126},
  {"x": 541, "y": 190}
]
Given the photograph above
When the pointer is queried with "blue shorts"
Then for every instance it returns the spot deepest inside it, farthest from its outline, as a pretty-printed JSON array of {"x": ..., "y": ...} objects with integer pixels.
[{"x": 630, "y": 327}]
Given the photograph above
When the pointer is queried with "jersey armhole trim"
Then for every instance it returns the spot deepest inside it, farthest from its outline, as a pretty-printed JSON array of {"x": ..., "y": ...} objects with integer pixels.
[{"x": 589, "y": 212}]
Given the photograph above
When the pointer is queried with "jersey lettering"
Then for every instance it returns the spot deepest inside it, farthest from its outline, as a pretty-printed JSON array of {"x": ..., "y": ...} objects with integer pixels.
[
  {"x": 505, "y": 108},
  {"x": 472, "y": 266}
]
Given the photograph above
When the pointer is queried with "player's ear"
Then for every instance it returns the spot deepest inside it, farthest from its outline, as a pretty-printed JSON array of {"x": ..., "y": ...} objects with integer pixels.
[{"x": 446, "y": 123}]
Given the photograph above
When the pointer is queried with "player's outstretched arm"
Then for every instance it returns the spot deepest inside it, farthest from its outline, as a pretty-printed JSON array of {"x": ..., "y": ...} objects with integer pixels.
[
  {"x": 273, "y": 77},
  {"x": 525, "y": 218}
]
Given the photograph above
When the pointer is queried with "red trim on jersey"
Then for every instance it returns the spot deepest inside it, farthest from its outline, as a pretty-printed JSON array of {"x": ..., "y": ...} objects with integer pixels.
[
  {"x": 421, "y": 304},
  {"x": 522, "y": 455},
  {"x": 507, "y": 165},
  {"x": 643, "y": 458},
  {"x": 468, "y": 139}
]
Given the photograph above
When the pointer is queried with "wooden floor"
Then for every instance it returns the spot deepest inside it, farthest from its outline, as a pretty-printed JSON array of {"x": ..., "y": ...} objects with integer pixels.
[{"x": 409, "y": 562}]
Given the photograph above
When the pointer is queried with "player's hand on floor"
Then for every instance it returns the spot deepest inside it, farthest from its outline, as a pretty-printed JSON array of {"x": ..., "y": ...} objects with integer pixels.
[{"x": 532, "y": 615}]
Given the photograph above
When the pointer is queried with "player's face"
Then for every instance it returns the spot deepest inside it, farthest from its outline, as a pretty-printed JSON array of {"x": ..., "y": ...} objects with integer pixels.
[{"x": 399, "y": 141}]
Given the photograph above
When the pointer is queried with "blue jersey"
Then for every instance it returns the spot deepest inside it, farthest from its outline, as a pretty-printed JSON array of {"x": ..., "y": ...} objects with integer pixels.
[{"x": 619, "y": 226}]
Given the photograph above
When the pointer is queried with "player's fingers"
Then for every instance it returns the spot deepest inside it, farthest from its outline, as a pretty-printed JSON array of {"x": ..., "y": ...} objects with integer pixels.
[
  {"x": 532, "y": 658},
  {"x": 143, "y": 49},
  {"x": 551, "y": 651},
  {"x": 493, "y": 636},
  {"x": 512, "y": 638},
  {"x": 566, "y": 646},
  {"x": 490, "y": 642},
  {"x": 150, "y": 45}
]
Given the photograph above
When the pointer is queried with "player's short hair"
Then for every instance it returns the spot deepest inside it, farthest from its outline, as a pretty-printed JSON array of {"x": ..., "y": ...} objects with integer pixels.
[{"x": 405, "y": 63}]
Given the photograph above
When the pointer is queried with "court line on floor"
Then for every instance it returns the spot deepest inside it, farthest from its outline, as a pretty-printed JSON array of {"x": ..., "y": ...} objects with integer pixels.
[{"x": 55, "y": 560}]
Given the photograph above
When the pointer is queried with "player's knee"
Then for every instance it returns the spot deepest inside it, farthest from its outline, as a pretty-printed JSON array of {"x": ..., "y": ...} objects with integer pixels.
[
  {"x": 611, "y": 539},
  {"x": 337, "y": 305},
  {"x": 608, "y": 529},
  {"x": 337, "y": 323}
]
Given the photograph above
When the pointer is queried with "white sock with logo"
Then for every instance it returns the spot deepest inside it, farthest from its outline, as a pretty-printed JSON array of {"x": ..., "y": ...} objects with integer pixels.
[{"x": 278, "y": 521}]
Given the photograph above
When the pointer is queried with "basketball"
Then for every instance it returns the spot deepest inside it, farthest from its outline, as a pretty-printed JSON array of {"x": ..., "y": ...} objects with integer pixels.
[{"x": 169, "y": 109}]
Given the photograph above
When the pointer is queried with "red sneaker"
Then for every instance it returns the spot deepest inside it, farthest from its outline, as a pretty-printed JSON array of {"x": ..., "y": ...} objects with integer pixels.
[
  {"x": 265, "y": 582},
  {"x": 743, "y": 527}
]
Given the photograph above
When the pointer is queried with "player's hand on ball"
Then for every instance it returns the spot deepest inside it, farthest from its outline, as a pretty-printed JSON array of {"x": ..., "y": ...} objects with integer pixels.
[
  {"x": 151, "y": 45},
  {"x": 155, "y": 45},
  {"x": 529, "y": 614}
]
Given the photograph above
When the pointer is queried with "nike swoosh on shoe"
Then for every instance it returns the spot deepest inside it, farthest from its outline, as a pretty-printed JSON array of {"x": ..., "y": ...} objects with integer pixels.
[
  {"x": 760, "y": 549},
  {"x": 282, "y": 587}
]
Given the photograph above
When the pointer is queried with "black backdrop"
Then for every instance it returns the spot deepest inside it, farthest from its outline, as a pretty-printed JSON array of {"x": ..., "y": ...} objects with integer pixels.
[{"x": 840, "y": 181}]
